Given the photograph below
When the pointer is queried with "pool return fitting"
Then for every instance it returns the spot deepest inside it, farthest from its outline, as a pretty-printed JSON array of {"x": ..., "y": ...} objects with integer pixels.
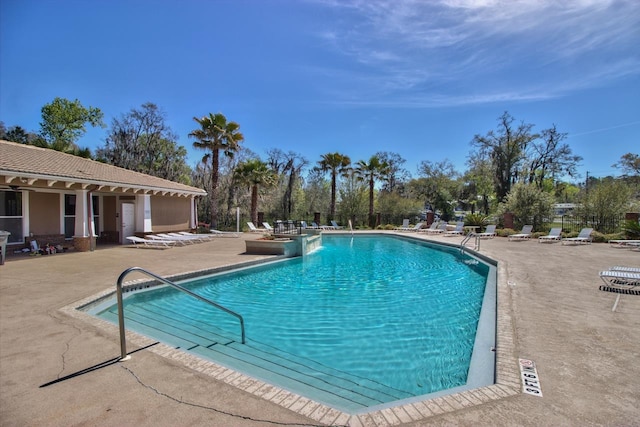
[{"x": 123, "y": 345}]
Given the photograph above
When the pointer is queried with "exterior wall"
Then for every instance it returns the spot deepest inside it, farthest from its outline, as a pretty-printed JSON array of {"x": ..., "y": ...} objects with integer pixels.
[
  {"x": 44, "y": 213},
  {"x": 170, "y": 213}
]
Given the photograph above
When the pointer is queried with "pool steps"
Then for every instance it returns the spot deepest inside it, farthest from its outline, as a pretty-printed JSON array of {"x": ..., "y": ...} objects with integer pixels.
[{"x": 297, "y": 374}]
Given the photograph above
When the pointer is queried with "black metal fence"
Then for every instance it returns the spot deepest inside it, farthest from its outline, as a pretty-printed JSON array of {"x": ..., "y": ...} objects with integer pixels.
[{"x": 605, "y": 225}]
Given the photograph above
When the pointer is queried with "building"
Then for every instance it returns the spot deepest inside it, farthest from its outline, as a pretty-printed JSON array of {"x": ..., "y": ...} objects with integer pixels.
[{"x": 49, "y": 193}]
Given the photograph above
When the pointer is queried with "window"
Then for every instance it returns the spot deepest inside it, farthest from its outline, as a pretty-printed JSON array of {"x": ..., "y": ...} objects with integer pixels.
[
  {"x": 96, "y": 214},
  {"x": 70, "y": 214},
  {"x": 11, "y": 215}
]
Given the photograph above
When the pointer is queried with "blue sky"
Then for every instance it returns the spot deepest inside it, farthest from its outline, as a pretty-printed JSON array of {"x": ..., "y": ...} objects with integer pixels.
[{"x": 418, "y": 78}]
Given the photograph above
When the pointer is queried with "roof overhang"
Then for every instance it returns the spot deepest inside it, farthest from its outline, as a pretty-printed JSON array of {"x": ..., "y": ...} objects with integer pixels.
[{"x": 26, "y": 180}]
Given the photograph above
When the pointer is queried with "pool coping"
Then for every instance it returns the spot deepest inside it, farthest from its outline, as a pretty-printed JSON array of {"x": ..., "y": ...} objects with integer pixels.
[{"x": 507, "y": 377}]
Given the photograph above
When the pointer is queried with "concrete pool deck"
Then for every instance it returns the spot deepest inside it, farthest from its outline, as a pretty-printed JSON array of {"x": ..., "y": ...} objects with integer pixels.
[{"x": 586, "y": 355}]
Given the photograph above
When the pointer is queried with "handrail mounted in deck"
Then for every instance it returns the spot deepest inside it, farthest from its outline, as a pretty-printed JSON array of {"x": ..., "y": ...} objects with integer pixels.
[{"x": 123, "y": 345}]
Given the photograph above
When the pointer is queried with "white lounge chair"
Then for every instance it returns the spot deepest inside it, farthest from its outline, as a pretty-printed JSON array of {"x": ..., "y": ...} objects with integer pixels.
[
  {"x": 178, "y": 238},
  {"x": 442, "y": 227},
  {"x": 624, "y": 268},
  {"x": 150, "y": 243},
  {"x": 625, "y": 243},
  {"x": 267, "y": 227},
  {"x": 253, "y": 228},
  {"x": 214, "y": 234},
  {"x": 432, "y": 227},
  {"x": 164, "y": 237},
  {"x": 554, "y": 235},
  {"x": 189, "y": 236},
  {"x": 404, "y": 226},
  {"x": 489, "y": 232},
  {"x": 458, "y": 231},
  {"x": 335, "y": 225},
  {"x": 620, "y": 278},
  {"x": 524, "y": 234},
  {"x": 584, "y": 237},
  {"x": 416, "y": 227}
]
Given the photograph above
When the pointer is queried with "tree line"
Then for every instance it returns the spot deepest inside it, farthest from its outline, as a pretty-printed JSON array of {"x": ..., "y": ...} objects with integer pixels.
[{"x": 510, "y": 168}]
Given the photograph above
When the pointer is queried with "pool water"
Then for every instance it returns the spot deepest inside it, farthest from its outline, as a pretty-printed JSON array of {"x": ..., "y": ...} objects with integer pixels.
[{"x": 391, "y": 311}]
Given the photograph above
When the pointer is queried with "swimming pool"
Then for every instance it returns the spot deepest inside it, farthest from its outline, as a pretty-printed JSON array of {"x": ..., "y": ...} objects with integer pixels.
[{"x": 380, "y": 318}]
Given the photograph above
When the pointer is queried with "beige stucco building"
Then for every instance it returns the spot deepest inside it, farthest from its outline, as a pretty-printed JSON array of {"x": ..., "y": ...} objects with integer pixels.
[{"x": 48, "y": 193}]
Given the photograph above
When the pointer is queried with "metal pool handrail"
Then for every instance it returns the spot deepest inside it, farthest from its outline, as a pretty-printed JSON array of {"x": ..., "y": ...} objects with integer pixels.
[
  {"x": 123, "y": 345},
  {"x": 467, "y": 238}
]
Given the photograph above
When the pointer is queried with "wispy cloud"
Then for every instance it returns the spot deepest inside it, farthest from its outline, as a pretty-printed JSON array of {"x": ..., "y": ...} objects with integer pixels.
[{"x": 446, "y": 52}]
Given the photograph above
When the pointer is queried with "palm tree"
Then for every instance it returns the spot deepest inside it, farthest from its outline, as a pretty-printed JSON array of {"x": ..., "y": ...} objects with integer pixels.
[
  {"x": 216, "y": 134},
  {"x": 254, "y": 173},
  {"x": 335, "y": 163},
  {"x": 372, "y": 171}
]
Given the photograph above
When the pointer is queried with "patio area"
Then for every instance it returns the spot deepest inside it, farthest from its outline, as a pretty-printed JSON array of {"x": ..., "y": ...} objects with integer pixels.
[{"x": 586, "y": 355}]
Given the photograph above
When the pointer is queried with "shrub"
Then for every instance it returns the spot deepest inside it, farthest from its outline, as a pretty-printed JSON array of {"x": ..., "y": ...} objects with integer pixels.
[
  {"x": 477, "y": 220},
  {"x": 614, "y": 236},
  {"x": 529, "y": 205},
  {"x": 505, "y": 232},
  {"x": 631, "y": 229},
  {"x": 598, "y": 237}
]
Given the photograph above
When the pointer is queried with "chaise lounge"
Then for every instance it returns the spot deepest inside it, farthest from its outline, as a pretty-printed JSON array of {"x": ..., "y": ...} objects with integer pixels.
[
  {"x": 489, "y": 233},
  {"x": 524, "y": 234},
  {"x": 149, "y": 243},
  {"x": 553, "y": 236},
  {"x": 584, "y": 237}
]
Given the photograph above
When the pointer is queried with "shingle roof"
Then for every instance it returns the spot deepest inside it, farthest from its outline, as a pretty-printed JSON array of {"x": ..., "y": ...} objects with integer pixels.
[{"x": 34, "y": 162}]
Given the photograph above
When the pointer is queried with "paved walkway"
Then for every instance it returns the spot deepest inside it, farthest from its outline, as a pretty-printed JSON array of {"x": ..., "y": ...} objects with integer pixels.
[{"x": 587, "y": 356}]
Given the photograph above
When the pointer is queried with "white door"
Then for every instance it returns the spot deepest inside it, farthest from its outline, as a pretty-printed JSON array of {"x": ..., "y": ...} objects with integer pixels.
[{"x": 128, "y": 221}]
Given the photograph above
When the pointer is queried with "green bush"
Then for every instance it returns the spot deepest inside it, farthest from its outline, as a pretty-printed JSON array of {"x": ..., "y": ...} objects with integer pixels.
[
  {"x": 529, "y": 205},
  {"x": 632, "y": 229},
  {"x": 614, "y": 236},
  {"x": 477, "y": 220},
  {"x": 505, "y": 232}
]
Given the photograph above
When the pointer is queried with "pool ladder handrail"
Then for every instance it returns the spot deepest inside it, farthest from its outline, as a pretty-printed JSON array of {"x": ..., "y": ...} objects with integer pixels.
[
  {"x": 476, "y": 246},
  {"x": 123, "y": 344}
]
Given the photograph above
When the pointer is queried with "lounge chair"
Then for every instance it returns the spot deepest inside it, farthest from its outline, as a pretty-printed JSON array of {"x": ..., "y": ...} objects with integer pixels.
[
  {"x": 189, "y": 236},
  {"x": 584, "y": 237},
  {"x": 624, "y": 243},
  {"x": 524, "y": 234},
  {"x": 212, "y": 235},
  {"x": 335, "y": 225},
  {"x": 165, "y": 237},
  {"x": 625, "y": 268},
  {"x": 253, "y": 228},
  {"x": 553, "y": 236},
  {"x": 267, "y": 227},
  {"x": 149, "y": 243},
  {"x": 489, "y": 233},
  {"x": 432, "y": 227},
  {"x": 458, "y": 231},
  {"x": 442, "y": 227},
  {"x": 621, "y": 278},
  {"x": 404, "y": 226},
  {"x": 416, "y": 227}
]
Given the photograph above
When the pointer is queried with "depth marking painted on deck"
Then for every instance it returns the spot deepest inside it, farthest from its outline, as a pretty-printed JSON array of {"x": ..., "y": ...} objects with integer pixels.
[{"x": 530, "y": 379}]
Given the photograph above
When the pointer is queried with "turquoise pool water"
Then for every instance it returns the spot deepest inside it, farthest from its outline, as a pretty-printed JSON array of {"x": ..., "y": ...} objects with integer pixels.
[{"x": 391, "y": 311}]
